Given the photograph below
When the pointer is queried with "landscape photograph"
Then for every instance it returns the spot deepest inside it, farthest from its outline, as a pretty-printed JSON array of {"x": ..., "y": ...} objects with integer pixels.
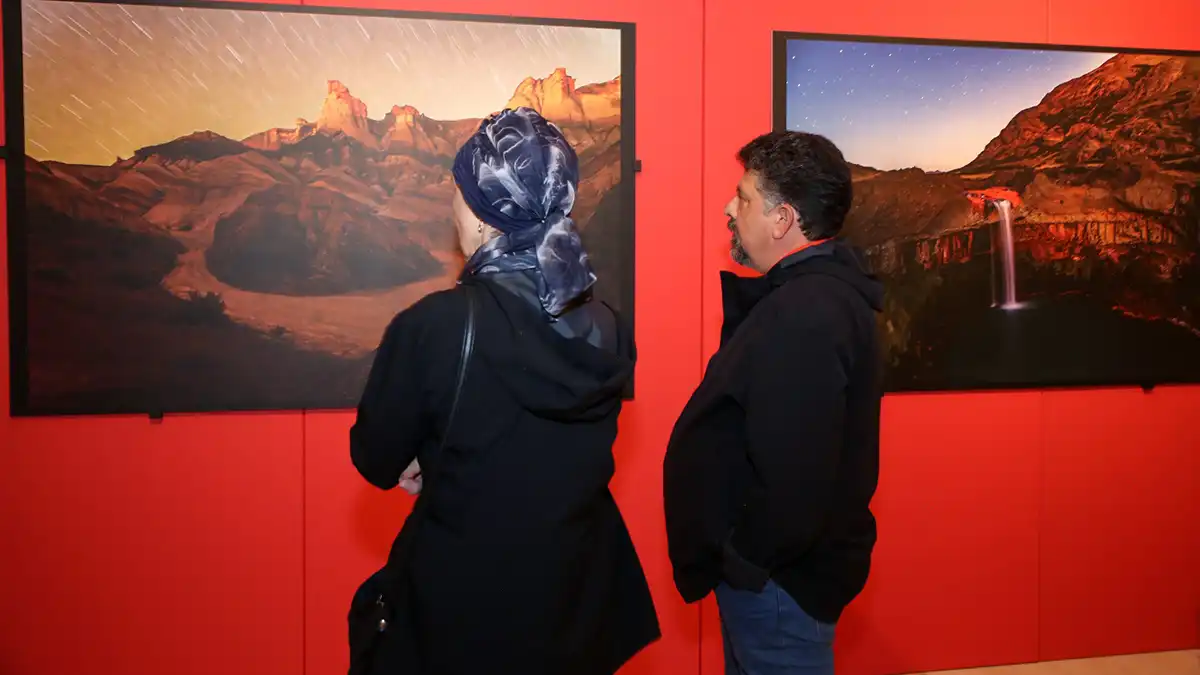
[
  {"x": 1033, "y": 212},
  {"x": 222, "y": 208}
]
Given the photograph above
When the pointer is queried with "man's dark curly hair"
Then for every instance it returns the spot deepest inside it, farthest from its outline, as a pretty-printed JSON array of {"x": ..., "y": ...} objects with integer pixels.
[{"x": 806, "y": 171}]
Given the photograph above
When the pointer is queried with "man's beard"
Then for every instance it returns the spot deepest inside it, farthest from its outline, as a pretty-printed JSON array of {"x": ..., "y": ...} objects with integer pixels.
[{"x": 736, "y": 250}]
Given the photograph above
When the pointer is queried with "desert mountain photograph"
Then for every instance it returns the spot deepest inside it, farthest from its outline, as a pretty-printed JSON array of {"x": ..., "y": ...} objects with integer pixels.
[
  {"x": 1034, "y": 214},
  {"x": 224, "y": 209}
]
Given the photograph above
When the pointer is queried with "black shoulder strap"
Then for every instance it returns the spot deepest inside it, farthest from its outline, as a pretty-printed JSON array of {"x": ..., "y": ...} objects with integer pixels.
[
  {"x": 468, "y": 346},
  {"x": 391, "y": 587},
  {"x": 401, "y": 547}
]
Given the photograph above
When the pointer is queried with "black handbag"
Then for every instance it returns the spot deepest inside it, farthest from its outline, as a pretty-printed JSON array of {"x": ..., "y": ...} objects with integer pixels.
[{"x": 382, "y": 636}]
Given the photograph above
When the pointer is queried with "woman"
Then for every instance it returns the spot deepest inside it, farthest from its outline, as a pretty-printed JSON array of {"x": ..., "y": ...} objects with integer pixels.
[{"x": 521, "y": 562}]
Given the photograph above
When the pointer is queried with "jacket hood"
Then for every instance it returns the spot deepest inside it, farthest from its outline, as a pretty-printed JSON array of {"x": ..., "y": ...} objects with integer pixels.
[
  {"x": 576, "y": 368},
  {"x": 834, "y": 258}
]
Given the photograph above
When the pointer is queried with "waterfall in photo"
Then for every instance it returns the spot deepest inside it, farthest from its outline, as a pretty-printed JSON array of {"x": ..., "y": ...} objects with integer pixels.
[{"x": 1008, "y": 258}]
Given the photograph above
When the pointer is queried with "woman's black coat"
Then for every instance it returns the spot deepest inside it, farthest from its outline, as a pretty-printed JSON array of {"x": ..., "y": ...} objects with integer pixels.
[{"x": 523, "y": 564}]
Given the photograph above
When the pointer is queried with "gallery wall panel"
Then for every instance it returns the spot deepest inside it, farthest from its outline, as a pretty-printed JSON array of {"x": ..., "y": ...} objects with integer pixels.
[
  {"x": 158, "y": 533},
  {"x": 1120, "y": 531},
  {"x": 738, "y": 106},
  {"x": 1122, "y": 466},
  {"x": 669, "y": 350},
  {"x": 954, "y": 576},
  {"x": 173, "y": 543}
]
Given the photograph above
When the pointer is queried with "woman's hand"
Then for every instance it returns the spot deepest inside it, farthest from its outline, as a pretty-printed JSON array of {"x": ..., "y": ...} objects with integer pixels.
[{"x": 410, "y": 479}]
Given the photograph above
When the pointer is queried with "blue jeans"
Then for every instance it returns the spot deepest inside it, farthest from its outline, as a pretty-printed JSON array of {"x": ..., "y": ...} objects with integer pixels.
[{"x": 768, "y": 634}]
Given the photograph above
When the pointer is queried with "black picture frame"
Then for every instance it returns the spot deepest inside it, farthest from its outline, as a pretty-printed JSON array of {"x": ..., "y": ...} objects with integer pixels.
[
  {"x": 974, "y": 381},
  {"x": 20, "y": 404}
]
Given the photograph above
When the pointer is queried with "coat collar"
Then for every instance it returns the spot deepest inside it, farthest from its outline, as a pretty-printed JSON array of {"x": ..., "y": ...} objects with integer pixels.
[{"x": 739, "y": 294}]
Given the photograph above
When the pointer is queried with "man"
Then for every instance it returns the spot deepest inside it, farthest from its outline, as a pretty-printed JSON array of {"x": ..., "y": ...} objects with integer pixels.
[{"x": 771, "y": 468}]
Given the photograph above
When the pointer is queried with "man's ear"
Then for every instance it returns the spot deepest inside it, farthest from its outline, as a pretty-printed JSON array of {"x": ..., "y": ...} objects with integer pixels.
[{"x": 785, "y": 218}]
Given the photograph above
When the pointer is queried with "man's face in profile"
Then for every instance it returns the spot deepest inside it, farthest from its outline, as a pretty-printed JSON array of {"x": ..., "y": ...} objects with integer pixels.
[{"x": 747, "y": 222}]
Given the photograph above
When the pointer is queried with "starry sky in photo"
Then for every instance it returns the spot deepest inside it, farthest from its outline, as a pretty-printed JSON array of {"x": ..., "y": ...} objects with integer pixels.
[
  {"x": 893, "y": 106},
  {"x": 103, "y": 80}
]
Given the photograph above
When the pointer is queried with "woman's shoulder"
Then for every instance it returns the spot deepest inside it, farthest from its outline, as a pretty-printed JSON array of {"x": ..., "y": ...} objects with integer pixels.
[
  {"x": 437, "y": 303},
  {"x": 431, "y": 316}
]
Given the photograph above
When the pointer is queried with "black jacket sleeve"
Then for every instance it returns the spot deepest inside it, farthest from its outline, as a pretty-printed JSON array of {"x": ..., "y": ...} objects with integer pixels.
[
  {"x": 795, "y": 406},
  {"x": 391, "y": 423}
]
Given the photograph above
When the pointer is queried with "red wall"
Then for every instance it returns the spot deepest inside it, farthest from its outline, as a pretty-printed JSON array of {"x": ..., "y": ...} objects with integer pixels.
[
  {"x": 232, "y": 543},
  {"x": 1014, "y": 527}
]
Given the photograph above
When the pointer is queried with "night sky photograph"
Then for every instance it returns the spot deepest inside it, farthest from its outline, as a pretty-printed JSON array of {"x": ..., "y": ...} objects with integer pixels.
[
  {"x": 1034, "y": 213},
  {"x": 233, "y": 204},
  {"x": 891, "y": 106},
  {"x": 102, "y": 80}
]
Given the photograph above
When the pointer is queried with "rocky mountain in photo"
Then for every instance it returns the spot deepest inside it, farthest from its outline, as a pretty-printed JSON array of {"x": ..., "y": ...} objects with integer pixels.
[
  {"x": 1132, "y": 105},
  {"x": 1103, "y": 179},
  {"x": 1118, "y": 145},
  {"x": 295, "y": 245},
  {"x": 341, "y": 204}
]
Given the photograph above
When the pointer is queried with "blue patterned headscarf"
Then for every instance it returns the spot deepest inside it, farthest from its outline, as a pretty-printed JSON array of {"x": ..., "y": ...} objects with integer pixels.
[{"x": 518, "y": 174}]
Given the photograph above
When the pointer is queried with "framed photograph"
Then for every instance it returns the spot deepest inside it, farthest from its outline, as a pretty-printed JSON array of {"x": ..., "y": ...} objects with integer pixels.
[
  {"x": 1034, "y": 211},
  {"x": 222, "y": 205}
]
